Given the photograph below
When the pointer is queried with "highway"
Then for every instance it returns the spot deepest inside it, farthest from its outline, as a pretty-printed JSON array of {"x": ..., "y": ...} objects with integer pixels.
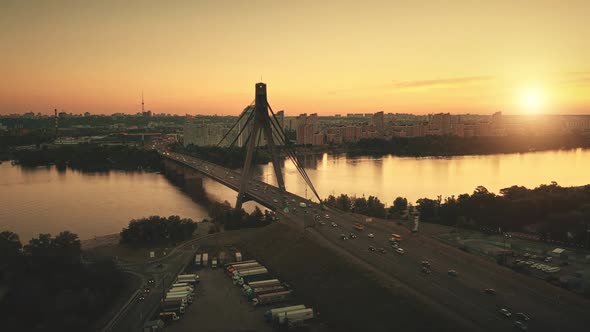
[{"x": 550, "y": 308}]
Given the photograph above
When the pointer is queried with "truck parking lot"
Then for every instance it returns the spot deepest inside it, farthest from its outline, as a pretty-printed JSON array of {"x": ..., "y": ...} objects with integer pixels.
[{"x": 220, "y": 306}]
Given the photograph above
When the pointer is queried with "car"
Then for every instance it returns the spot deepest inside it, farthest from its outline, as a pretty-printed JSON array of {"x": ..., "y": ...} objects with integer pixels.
[
  {"x": 425, "y": 270},
  {"x": 520, "y": 325},
  {"x": 151, "y": 281},
  {"x": 382, "y": 251},
  {"x": 371, "y": 248},
  {"x": 400, "y": 251},
  {"x": 343, "y": 237},
  {"x": 395, "y": 245},
  {"x": 352, "y": 236},
  {"x": 505, "y": 312},
  {"x": 452, "y": 273},
  {"x": 334, "y": 224},
  {"x": 490, "y": 291},
  {"x": 548, "y": 259},
  {"x": 327, "y": 216},
  {"x": 147, "y": 290},
  {"x": 322, "y": 223},
  {"x": 275, "y": 200},
  {"x": 371, "y": 235},
  {"x": 141, "y": 298},
  {"x": 522, "y": 316},
  {"x": 426, "y": 264}
]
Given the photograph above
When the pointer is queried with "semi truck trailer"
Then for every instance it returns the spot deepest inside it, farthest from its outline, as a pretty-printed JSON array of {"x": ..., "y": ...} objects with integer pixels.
[
  {"x": 295, "y": 316},
  {"x": 270, "y": 314},
  {"x": 271, "y": 298}
]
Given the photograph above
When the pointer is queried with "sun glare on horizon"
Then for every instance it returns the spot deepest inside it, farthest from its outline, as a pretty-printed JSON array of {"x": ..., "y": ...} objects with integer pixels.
[{"x": 532, "y": 101}]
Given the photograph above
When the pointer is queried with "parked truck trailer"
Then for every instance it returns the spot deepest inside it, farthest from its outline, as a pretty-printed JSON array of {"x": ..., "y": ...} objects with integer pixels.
[
  {"x": 270, "y": 314},
  {"x": 267, "y": 282},
  {"x": 198, "y": 261},
  {"x": 295, "y": 316},
  {"x": 272, "y": 298},
  {"x": 238, "y": 256}
]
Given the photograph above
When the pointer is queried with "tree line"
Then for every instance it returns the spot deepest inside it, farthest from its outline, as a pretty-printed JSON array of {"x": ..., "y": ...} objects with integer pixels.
[
  {"x": 455, "y": 145},
  {"x": 49, "y": 287},
  {"x": 371, "y": 206},
  {"x": 231, "y": 218},
  {"x": 553, "y": 212},
  {"x": 91, "y": 157},
  {"x": 156, "y": 230}
]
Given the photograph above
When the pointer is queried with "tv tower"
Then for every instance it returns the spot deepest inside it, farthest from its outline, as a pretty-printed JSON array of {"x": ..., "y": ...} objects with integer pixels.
[{"x": 142, "y": 109}]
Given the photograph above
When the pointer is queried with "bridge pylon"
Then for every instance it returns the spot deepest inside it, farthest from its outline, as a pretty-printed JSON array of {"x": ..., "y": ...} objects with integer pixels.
[{"x": 262, "y": 124}]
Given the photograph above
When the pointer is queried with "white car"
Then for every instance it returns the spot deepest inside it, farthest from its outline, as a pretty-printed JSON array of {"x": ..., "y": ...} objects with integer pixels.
[
  {"x": 334, "y": 224},
  {"x": 400, "y": 251},
  {"x": 371, "y": 235},
  {"x": 505, "y": 312},
  {"x": 275, "y": 200}
]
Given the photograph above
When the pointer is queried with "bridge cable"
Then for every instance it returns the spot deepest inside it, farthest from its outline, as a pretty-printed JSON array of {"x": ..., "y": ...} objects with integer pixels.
[{"x": 291, "y": 153}]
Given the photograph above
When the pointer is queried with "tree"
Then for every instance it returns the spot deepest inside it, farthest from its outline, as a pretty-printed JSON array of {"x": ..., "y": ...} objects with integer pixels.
[
  {"x": 400, "y": 204},
  {"x": 10, "y": 244}
]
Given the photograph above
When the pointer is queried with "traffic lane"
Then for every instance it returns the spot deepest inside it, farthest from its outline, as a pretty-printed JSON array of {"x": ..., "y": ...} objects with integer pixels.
[
  {"x": 513, "y": 293},
  {"x": 510, "y": 294},
  {"x": 399, "y": 267}
]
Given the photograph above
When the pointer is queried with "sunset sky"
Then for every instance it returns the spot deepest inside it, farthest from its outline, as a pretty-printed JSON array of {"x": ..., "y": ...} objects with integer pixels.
[{"x": 316, "y": 56}]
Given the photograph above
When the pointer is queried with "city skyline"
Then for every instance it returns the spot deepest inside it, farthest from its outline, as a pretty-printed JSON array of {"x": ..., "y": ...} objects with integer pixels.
[{"x": 329, "y": 58}]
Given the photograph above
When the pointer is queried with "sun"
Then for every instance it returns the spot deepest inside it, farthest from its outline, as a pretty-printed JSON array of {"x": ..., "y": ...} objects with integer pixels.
[{"x": 532, "y": 101}]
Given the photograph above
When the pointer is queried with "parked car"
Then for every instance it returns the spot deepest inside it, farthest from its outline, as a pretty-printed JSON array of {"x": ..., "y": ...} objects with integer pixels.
[
  {"x": 522, "y": 316},
  {"x": 382, "y": 251},
  {"x": 520, "y": 325},
  {"x": 343, "y": 237},
  {"x": 425, "y": 270},
  {"x": 400, "y": 251},
  {"x": 371, "y": 248},
  {"x": 334, "y": 224},
  {"x": 490, "y": 291},
  {"x": 505, "y": 312},
  {"x": 352, "y": 236},
  {"x": 452, "y": 273},
  {"x": 371, "y": 235}
]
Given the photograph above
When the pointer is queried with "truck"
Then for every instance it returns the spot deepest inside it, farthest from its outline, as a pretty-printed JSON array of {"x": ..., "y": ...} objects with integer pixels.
[
  {"x": 251, "y": 272},
  {"x": 267, "y": 282},
  {"x": 175, "y": 301},
  {"x": 197, "y": 261},
  {"x": 214, "y": 263},
  {"x": 222, "y": 258},
  {"x": 233, "y": 268},
  {"x": 241, "y": 262},
  {"x": 181, "y": 284},
  {"x": 290, "y": 317},
  {"x": 187, "y": 297},
  {"x": 238, "y": 256},
  {"x": 251, "y": 293},
  {"x": 188, "y": 278},
  {"x": 177, "y": 310},
  {"x": 181, "y": 289},
  {"x": 205, "y": 262},
  {"x": 270, "y": 314},
  {"x": 169, "y": 316},
  {"x": 271, "y": 298}
]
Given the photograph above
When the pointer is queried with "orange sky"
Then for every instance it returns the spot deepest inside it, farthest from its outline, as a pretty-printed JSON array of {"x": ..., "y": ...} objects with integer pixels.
[{"x": 316, "y": 56}]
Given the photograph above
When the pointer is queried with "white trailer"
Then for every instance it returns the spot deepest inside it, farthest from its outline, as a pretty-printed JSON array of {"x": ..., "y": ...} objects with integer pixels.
[
  {"x": 269, "y": 282},
  {"x": 205, "y": 259},
  {"x": 269, "y": 315},
  {"x": 294, "y": 316},
  {"x": 238, "y": 256}
]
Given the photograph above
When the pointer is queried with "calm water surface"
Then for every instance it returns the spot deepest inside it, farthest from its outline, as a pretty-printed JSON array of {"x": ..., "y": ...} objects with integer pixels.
[{"x": 45, "y": 200}]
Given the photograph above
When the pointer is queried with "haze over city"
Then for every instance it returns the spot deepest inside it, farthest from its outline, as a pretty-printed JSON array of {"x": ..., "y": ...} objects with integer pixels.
[{"x": 329, "y": 57}]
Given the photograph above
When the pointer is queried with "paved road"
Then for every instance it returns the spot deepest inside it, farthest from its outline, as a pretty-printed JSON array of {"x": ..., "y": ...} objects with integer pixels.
[{"x": 550, "y": 308}]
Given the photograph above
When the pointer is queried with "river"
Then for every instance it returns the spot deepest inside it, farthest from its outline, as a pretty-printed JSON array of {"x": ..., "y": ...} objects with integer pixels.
[{"x": 45, "y": 200}]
